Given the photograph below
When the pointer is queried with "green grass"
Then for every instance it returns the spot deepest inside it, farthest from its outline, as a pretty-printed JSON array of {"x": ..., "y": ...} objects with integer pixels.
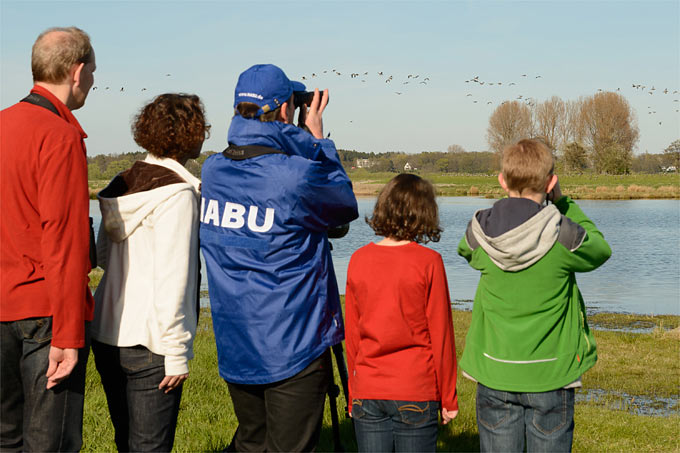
[
  {"x": 585, "y": 186},
  {"x": 642, "y": 365}
]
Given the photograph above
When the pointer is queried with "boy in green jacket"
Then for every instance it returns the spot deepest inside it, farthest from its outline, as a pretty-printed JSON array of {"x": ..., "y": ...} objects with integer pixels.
[{"x": 529, "y": 342}]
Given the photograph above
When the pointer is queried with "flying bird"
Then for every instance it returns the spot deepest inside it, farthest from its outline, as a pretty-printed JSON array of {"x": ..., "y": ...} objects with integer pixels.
[{"x": 398, "y": 92}]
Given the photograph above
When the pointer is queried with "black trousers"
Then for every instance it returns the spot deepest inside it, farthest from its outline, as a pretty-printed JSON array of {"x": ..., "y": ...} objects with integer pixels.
[{"x": 284, "y": 415}]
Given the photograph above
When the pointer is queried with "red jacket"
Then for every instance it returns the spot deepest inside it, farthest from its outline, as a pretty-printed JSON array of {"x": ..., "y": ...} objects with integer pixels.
[
  {"x": 399, "y": 328},
  {"x": 44, "y": 227}
]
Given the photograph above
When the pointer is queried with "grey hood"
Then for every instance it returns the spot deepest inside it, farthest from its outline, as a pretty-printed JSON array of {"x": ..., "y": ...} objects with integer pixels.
[{"x": 527, "y": 232}]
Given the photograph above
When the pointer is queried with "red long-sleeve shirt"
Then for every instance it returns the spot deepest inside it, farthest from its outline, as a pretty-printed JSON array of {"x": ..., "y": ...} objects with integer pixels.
[
  {"x": 44, "y": 228},
  {"x": 399, "y": 329}
]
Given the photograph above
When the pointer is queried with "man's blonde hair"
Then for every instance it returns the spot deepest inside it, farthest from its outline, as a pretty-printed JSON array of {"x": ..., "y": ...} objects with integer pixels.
[
  {"x": 56, "y": 50},
  {"x": 528, "y": 164}
]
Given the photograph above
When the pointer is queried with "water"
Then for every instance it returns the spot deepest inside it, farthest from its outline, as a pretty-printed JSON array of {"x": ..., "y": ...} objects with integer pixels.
[{"x": 642, "y": 276}]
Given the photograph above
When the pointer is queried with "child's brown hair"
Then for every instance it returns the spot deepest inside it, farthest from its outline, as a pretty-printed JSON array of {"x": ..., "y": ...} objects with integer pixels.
[
  {"x": 528, "y": 164},
  {"x": 406, "y": 210}
]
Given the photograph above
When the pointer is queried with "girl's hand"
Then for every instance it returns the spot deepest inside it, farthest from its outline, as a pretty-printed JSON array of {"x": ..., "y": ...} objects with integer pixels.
[
  {"x": 447, "y": 416},
  {"x": 170, "y": 383}
]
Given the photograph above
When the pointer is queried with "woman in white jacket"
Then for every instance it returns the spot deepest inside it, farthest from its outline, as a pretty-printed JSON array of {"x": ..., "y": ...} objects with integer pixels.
[{"x": 146, "y": 304}]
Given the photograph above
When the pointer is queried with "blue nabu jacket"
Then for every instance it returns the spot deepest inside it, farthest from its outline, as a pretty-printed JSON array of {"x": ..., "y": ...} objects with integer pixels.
[{"x": 273, "y": 291}]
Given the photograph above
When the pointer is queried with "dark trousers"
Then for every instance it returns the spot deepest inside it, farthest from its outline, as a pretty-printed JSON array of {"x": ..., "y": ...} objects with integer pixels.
[
  {"x": 284, "y": 415},
  {"x": 144, "y": 418},
  {"x": 33, "y": 418}
]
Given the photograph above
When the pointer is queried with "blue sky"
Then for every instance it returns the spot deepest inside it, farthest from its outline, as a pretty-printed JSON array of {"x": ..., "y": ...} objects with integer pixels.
[{"x": 576, "y": 48}]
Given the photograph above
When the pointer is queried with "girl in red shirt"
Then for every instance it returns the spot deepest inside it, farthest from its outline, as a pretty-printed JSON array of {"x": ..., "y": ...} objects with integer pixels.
[{"x": 399, "y": 332}]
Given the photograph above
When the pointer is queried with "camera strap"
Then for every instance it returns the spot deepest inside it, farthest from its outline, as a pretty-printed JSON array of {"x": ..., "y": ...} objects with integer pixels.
[
  {"x": 42, "y": 101},
  {"x": 248, "y": 151}
]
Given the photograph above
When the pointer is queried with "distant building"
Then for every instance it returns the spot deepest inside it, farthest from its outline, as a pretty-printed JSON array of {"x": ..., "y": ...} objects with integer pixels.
[
  {"x": 408, "y": 167},
  {"x": 364, "y": 163}
]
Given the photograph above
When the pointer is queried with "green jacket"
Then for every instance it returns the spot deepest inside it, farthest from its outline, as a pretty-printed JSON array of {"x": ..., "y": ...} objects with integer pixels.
[{"x": 529, "y": 331}]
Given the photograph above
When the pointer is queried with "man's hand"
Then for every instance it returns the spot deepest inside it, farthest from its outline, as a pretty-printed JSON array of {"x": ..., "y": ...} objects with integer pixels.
[
  {"x": 170, "y": 383},
  {"x": 60, "y": 365},
  {"x": 312, "y": 117},
  {"x": 447, "y": 415}
]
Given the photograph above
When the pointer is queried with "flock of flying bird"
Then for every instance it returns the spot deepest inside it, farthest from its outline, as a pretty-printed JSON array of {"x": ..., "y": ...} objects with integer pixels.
[
  {"x": 415, "y": 80},
  {"x": 410, "y": 78}
]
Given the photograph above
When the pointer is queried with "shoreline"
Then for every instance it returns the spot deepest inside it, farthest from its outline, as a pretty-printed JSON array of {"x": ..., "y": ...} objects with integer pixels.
[{"x": 633, "y": 192}]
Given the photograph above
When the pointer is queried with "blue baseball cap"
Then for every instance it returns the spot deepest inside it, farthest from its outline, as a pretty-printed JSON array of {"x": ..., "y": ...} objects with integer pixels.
[{"x": 265, "y": 85}]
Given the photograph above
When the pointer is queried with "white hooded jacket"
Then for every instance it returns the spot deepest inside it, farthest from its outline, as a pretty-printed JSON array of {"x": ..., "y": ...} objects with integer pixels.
[{"x": 148, "y": 246}]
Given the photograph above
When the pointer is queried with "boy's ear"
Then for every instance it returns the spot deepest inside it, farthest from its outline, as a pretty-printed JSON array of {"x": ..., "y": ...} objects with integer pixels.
[
  {"x": 502, "y": 182},
  {"x": 552, "y": 180}
]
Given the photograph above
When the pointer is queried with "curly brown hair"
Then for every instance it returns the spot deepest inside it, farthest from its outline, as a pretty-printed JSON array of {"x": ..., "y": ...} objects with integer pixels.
[
  {"x": 172, "y": 125},
  {"x": 406, "y": 210}
]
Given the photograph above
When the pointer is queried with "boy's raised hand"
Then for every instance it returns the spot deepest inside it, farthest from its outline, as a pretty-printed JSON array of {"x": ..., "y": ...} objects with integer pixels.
[
  {"x": 447, "y": 415},
  {"x": 556, "y": 193}
]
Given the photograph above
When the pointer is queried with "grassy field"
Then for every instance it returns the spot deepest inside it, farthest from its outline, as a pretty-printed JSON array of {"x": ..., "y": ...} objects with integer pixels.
[
  {"x": 586, "y": 186},
  {"x": 635, "y": 372}
]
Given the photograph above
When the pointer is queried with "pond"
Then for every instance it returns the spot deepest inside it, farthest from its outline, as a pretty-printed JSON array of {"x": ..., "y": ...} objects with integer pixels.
[{"x": 642, "y": 276}]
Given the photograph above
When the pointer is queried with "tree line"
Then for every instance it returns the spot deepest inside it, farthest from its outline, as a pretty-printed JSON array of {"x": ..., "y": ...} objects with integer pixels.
[
  {"x": 455, "y": 160},
  {"x": 595, "y": 133}
]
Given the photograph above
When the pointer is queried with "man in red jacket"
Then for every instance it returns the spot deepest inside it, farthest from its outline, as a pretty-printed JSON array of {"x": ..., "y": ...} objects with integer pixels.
[{"x": 44, "y": 298}]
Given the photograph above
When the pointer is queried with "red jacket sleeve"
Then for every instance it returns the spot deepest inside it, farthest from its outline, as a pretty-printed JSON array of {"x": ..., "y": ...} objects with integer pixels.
[
  {"x": 440, "y": 326},
  {"x": 351, "y": 333},
  {"x": 64, "y": 208}
]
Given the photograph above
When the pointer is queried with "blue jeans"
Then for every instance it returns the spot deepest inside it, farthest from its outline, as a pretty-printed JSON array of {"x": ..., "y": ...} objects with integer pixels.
[
  {"x": 389, "y": 425},
  {"x": 33, "y": 418},
  {"x": 144, "y": 418},
  {"x": 505, "y": 419}
]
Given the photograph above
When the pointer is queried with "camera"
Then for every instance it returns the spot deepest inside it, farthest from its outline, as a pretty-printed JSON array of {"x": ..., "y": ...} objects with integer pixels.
[{"x": 301, "y": 98}]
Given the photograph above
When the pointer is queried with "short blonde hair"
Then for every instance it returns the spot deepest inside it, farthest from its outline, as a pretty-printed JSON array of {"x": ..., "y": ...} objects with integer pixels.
[
  {"x": 56, "y": 50},
  {"x": 528, "y": 164}
]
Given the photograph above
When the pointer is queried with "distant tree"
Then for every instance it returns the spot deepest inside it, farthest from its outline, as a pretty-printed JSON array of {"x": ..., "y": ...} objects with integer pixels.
[
  {"x": 116, "y": 167},
  {"x": 574, "y": 158},
  {"x": 672, "y": 154},
  {"x": 93, "y": 172},
  {"x": 610, "y": 128},
  {"x": 647, "y": 163},
  {"x": 549, "y": 117},
  {"x": 453, "y": 149},
  {"x": 614, "y": 159},
  {"x": 509, "y": 123},
  {"x": 443, "y": 165},
  {"x": 571, "y": 127}
]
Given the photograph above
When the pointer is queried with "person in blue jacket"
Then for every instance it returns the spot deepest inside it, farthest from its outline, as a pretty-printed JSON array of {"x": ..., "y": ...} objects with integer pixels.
[{"x": 267, "y": 203}]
